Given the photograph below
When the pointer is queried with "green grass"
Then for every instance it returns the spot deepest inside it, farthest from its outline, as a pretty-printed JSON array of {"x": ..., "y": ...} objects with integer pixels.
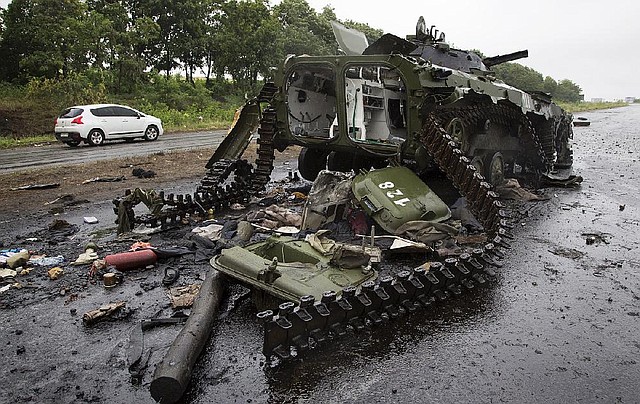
[
  {"x": 9, "y": 142},
  {"x": 590, "y": 106}
]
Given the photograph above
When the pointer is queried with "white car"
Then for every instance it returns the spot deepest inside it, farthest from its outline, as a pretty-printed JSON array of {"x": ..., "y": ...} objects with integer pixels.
[{"x": 93, "y": 124}]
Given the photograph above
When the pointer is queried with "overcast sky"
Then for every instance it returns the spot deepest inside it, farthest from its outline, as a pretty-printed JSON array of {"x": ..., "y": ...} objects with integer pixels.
[{"x": 594, "y": 43}]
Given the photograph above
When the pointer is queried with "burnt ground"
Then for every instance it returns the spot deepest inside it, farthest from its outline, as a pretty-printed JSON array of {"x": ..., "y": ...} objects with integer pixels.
[{"x": 558, "y": 325}]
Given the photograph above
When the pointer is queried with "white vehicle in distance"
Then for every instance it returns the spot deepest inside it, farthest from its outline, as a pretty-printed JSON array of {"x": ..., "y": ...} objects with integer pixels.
[{"x": 94, "y": 124}]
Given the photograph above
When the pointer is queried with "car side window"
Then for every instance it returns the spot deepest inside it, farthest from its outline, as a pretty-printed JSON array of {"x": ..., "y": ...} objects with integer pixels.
[
  {"x": 71, "y": 112},
  {"x": 121, "y": 111},
  {"x": 104, "y": 111}
]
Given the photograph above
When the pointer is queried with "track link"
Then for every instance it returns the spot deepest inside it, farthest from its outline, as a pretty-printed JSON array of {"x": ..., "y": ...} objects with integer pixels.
[
  {"x": 309, "y": 322},
  {"x": 225, "y": 183}
]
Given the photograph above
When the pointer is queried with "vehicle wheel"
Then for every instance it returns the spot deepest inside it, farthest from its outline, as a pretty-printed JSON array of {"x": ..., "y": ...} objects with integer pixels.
[
  {"x": 495, "y": 170},
  {"x": 456, "y": 130},
  {"x": 311, "y": 162},
  {"x": 95, "y": 137},
  {"x": 478, "y": 163},
  {"x": 340, "y": 162},
  {"x": 73, "y": 143},
  {"x": 151, "y": 133}
]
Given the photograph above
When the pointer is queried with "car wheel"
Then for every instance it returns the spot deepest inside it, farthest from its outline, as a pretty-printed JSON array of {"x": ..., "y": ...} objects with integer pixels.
[
  {"x": 151, "y": 133},
  {"x": 95, "y": 137},
  {"x": 73, "y": 143}
]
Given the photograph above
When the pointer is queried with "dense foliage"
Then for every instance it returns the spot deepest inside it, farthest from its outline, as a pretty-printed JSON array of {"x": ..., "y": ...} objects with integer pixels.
[
  {"x": 528, "y": 79},
  {"x": 130, "y": 39}
]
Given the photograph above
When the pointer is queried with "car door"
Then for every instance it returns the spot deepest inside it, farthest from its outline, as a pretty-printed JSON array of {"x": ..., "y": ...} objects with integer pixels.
[
  {"x": 104, "y": 120},
  {"x": 129, "y": 123}
]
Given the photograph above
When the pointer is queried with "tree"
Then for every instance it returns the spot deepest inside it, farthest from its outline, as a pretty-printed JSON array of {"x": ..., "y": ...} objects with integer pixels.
[
  {"x": 303, "y": 32},
  {"x": 44, "y": 38},
  {"x": 519, "y": 76},
  {"x": 247, "y": 42},
  {"x": 568, "y": 91},
  {"x": 550, "y": 86}
]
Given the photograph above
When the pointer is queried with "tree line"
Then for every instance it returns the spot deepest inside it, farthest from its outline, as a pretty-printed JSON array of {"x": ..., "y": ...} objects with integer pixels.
[{"x": 126, "y": 43}]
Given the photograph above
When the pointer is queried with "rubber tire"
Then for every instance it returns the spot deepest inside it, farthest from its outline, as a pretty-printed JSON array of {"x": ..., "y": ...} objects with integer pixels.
[
  {"x": 151, "y": 133},
  {"x": 339, "y": 161},
  {"x": 478, "y": 163},
  {"x": 95, "y": 137},
  {"x": 493, "y": 176},
  {"x": 311, "y": 162}
]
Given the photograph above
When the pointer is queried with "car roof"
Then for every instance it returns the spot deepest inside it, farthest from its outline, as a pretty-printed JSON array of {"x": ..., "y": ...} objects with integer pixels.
[{"x": 90, "y": 106}]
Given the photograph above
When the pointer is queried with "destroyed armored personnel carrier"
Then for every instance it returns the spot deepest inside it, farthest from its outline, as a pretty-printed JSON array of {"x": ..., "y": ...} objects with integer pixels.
[
  {"x": 378, "y": 102},
  {"x": 414, "y": 102}
]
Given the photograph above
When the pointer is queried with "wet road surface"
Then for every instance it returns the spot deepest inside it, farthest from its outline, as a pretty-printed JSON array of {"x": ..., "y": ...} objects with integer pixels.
[
  {"x": 559, "y": 325},
  {"x": 59, "y": 154}
]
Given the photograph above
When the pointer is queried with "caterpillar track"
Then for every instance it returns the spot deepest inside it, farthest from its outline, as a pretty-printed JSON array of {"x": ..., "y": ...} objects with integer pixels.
[
  {"x": 309, "y": 322},
  {"x": 226, "y": 182}
]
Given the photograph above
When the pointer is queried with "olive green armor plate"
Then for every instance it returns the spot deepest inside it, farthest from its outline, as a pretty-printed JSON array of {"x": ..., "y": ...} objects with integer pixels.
[
  {"x": 393, "y": 196},
  {"x": 300, "y": 269}
]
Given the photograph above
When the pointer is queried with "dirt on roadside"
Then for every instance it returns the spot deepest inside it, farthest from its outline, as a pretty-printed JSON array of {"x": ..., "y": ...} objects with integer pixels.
[{"x": 76, "y": 185}]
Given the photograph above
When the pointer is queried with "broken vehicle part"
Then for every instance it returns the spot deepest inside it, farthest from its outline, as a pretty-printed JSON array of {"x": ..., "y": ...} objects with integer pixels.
[
  {"x": 395, "y": 195},
  {"x": 288, "y": 268},
  {"x": 328, "y": 199},
  {"x": 172, "y": 375}
]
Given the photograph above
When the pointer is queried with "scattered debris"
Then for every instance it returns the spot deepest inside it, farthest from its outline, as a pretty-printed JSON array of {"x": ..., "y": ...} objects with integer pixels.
[
  {"x": 275, "y": 216},
  {"x": 425, "y": 232},
  {"x": 182, "y": 297},
  {"x": 87, "y": 257},
  {"x": 6, "y": 273},
  {"x": 142, "y": 173},
  {"x": 104, "y": 312},
  {"x": 131, "y": 260},
  {"x": 511, "y": 189},
  {"x": 90, "y": 220},
  {"x": 111, "y": 279},
  {"x": 327, "y": 200},
  {"x": 212, "y": 232},
  {"x": 581, "y": 121},
  {"x": 548, "y": 180},
  {"x": 570, "y": 253},
  {"x": 55, "y": 273},
  {"x": 596, "y": 238},
  {"x": 18, "y": 259},
  {"x": 171, "y": 275},
  {"x": 36, "y": 186},
  {"x": 105, "y": 179},
  {"x": 46, "y": 261},
  {"x": 63, "y": 198},
  {"x": 149, "y": 197}
]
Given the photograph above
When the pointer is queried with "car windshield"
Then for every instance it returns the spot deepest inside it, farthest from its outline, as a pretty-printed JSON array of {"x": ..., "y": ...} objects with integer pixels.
[{"x": 71, "y": 112}]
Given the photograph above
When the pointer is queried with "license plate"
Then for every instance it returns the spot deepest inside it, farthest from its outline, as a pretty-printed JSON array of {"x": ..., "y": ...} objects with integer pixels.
[{"x": 64, "y": 135}]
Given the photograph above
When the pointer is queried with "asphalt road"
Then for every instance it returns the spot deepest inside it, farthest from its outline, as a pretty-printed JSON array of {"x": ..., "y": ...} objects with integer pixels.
[
  {"x": 559, "y": 325},
  {"x": 60, "y": 154}
]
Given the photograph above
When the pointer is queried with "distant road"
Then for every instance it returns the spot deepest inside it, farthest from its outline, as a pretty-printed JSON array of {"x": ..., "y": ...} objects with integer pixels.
[{"x": 59, "y": 154}]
